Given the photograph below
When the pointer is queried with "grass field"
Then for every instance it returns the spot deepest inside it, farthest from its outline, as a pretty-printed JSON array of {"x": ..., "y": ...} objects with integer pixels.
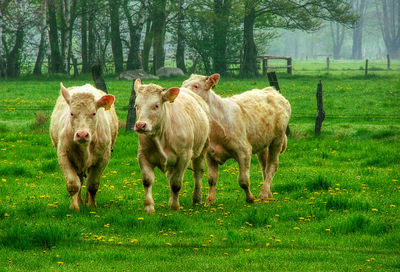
[{"x": 337, "y": 195}]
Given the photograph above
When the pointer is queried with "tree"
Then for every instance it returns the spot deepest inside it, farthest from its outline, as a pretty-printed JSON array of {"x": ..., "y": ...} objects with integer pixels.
[
  {"x": 148, "y": 40},
  {"x": 135, "y": 33},
  {"x": 359, "y": 6},
  {"x": 180, "y": 29},
  {"x": 55, "y": 56},
  {"x": 37, "y": 70},
  {"x": 222, "y": 9},
  {"x": 84, "y": 37},
  {"x": 159, "y": 17},
  {"x": 116, "y": 43},
  {"x": 13, "y": 26},
  {"x": 289, "y": 14},
  {"x": 388, "y": 12},
  {"x": 337, "y": 34}
]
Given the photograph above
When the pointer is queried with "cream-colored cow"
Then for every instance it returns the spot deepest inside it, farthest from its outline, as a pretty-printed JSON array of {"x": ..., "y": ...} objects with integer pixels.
[
  {"x": 173, "y": 127},
  {"x": 83, "y": 128},
  {"x": 253, "y": 122}
]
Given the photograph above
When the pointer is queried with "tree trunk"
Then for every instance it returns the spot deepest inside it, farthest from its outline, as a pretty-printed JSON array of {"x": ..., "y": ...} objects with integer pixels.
[
  {"x": 388, "y": 12},
  {"x": 220, "y": 26},
  {"x": 116, "y": 43},
  {"x": 359, "y": 6},
  {"x": 337, "y": 38},
  {"x": 84, "y": 37},
  {"x": 37, "y": 70},
  {"x": 40, "y": 56},
  {"x": 180, "y": 47},
  {"x": 91, "y": 33},
  {"x": 135, "y": 33},
  {"x": 14, "y": 57},
  {"x": 148, "y": 39},
  {"x": 158, "y": 27},
  {"x": 249, "y": 65},
  {"x": 56, "y": 61}
]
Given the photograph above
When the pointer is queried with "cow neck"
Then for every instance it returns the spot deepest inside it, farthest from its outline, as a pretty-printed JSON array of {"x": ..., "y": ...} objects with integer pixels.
[
  {"x": 217, "y": 105},
  {"x": 163, "y": 131},
  {"x": 84, "y": 154}
]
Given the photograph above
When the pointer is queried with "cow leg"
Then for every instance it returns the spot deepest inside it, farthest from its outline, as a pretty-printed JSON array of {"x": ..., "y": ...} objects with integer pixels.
[
  {"x": 198, "y": 172},
  {"x": 81, "y": 179},
  {"x": 244, "y": 160},
  {"x": 212, "y": 179},
  {"x": 93, "y": 182},
  {"x": 270, "y": 158},
  {"x": 73, "y": 181},
  {"x": 175, "y": 178},
  {"x": 147, "y": 170}
]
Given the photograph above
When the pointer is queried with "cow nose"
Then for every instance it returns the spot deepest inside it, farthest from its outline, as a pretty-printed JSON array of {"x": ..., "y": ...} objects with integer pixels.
[
  {"x": 140, "y": 125},
  {"x": 82, "y": 136}
]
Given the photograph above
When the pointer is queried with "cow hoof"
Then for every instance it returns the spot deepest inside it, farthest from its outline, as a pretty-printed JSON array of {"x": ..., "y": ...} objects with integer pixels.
[
  {"x": 209, "y": 201},
  {"x": 75, "y": 208},
  {"x": 250, "y": 199},
  {"x": 149, "y": 209},
  {"x": 174, "y": 206},
  {"x": 196, "y": 199}
]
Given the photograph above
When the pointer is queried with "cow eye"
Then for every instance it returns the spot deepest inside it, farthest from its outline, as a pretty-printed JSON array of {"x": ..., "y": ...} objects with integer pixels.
[
  {"x": 156, "y": 106},
  {"x": 93, "y": 114},
  {"x": 72, "y": 114},
  {"x": 196, "y": 86}
]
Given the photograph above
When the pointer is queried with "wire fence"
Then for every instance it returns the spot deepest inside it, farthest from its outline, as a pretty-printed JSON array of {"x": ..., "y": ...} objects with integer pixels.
[{"x": 297, "y": 116}]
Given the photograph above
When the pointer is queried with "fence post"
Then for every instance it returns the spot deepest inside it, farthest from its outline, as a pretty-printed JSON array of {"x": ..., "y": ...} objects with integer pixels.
[
  {"x": 131, "y": 117},
  {"x": 327, "y": 63},
  {"x": 273, "y": 81},
  {"x": 289, "y": 64},
  {"x": 388, "y": 61},
  {"x": 97, "y": 78},
  {"x": 75, "y": 63},
  {"x": 320, "y": 113},
  {"x": 265, "y": 66},
  {"x": 366, "y": 67}
]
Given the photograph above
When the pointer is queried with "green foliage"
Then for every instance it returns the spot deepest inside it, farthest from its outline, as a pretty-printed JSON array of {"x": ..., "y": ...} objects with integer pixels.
[{"x": 336, "y": 196}]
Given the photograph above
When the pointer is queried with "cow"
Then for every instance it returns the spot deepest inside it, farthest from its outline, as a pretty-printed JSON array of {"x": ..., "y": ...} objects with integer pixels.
[
  {"x": 173, "y": 127},
  {"x": 253, "y": 122},
  {"x": 83, "y": 129}
]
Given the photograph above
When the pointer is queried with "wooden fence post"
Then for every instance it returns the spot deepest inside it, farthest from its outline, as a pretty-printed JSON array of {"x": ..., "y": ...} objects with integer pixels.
[
  {"x": 97, "y": 78},
  {"x": 265, "y": 66},
  {"x": 289, "y": 64},
  {"x": 366, "y": 67},
  {"x": 388, "y": 61},
  {"x": 273, "y": 81},
  {"x": 75, "y": 63},
  {"x": 131, "y": 117},
  {"x": 327, "y": 63},
  {"x": 320, "y": 113}
]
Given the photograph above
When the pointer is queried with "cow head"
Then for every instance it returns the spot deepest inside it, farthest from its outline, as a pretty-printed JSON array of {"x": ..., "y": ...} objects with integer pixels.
[
  {"x": 83, "y": 113},
  {"x": 150, "y": 105},
  {"x": 201, "y": 84}
]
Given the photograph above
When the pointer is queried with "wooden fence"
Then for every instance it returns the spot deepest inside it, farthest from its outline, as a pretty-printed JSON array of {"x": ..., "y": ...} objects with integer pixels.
[{"x": 266, "y": 66}]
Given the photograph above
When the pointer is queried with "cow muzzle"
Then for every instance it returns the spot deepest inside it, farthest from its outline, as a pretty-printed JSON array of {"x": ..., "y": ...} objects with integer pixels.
[
  {"x": 82, "y": 137},
  {"x": 142, "y": 127}
]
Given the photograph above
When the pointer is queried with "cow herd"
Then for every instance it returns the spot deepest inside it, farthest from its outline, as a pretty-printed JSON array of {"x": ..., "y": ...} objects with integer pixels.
[{"x": 176, "y": 127}]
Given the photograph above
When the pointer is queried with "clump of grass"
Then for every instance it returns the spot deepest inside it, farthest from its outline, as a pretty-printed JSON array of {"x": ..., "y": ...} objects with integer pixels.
[
  {"x": 41, "y": 122},
  {"x": 352, "y": 224},
  {"x": 27, "y": 235},
  {"x": 320, "y": 183}
]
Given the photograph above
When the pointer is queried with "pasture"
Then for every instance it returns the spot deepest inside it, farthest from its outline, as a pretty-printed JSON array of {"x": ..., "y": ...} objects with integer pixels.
[{"x": 336, "y": 202}]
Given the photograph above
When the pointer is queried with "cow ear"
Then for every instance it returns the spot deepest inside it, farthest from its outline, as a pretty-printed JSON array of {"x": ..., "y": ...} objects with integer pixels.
[
  {"x": 137, "y": 84},
  {"x": 211, "y": 81},
  {"x": 65, "y": 93},
  {"x": 170, "y": 95},
  {"x": 105, "y": 101}
]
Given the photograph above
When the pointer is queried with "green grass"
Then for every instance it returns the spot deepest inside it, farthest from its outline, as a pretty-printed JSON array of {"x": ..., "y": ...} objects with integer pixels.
[{"x": 337, "y": 195}]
